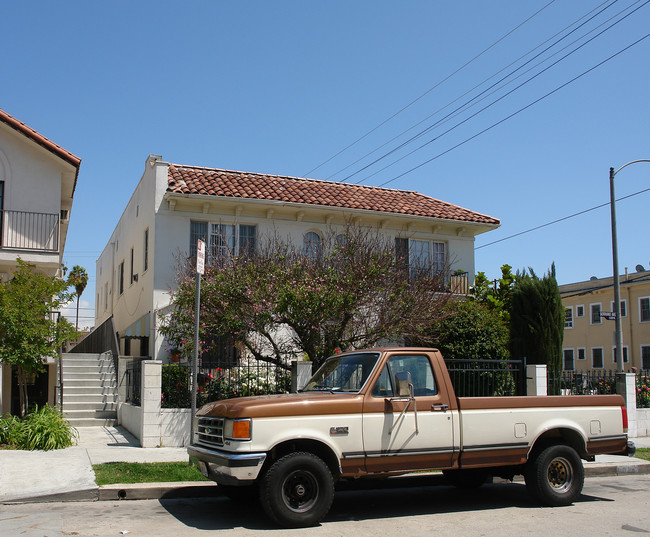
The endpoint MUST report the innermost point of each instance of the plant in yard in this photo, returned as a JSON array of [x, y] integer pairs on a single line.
[[28, 329], [42, 429], [78, 278]]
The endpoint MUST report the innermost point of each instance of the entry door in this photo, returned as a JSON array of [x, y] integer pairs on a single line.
[[407, 434]]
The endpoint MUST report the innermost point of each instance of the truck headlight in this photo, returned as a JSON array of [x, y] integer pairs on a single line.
[[239, 429]]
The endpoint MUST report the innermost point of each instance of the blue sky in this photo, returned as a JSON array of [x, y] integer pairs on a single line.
[[283, 86]]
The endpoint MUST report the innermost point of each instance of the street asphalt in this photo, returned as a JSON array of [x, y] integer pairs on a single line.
[[67, 474]]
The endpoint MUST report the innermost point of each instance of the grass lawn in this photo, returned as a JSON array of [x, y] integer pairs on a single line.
[[643, 453], [138, 472]]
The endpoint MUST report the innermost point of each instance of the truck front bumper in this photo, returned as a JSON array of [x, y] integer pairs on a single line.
[[227, 468]]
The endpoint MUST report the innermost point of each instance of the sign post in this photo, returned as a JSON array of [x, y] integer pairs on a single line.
[[200, 269]]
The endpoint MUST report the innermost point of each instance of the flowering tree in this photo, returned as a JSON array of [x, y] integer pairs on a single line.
[[280, 304], [28, 331]]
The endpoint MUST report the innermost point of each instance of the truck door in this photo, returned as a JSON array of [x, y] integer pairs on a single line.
[[407, 433]]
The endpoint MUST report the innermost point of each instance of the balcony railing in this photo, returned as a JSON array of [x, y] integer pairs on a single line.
[[25, 230]]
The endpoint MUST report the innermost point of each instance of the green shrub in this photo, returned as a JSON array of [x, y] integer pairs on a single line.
[[10, 431], [43, 429]]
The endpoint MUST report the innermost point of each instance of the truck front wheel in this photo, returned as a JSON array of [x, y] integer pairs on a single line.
[[555, 476], [297, 490]]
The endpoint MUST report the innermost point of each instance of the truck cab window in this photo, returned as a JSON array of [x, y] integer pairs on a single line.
[[424, 383]]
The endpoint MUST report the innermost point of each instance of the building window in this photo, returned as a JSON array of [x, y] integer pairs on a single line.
[[224, 240], [106, 296], [625, 360], [623, 307], [597, 358], [131, 269], [120, 278], [582, 353], [595, 314], [421, 257], [312, 245], [568, 360], [645, 357], [198, 230], [644, 309], [568, 318], [247, 240], [145, 251], [580, 311]]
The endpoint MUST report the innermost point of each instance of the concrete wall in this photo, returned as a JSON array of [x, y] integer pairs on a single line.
[[643, 422]]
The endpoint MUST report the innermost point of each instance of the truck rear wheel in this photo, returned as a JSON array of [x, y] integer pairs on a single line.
[[555, 476], [297, 490]]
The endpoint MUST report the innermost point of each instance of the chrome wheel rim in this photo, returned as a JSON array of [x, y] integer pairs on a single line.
[[560, 474]]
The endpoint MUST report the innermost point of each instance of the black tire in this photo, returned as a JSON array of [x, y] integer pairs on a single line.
[[240, 494], [555, 476], [465, 479], [297, 490]]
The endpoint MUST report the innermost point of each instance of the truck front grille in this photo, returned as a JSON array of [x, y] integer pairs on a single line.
[[210, 431]]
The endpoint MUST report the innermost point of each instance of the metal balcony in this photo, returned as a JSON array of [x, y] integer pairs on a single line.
[[23, 230]]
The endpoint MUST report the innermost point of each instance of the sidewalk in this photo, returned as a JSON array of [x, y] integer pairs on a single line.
[[67, 474]]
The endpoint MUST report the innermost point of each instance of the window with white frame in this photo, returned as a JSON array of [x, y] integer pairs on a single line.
[[580, 311], [223, 241], [645, 357], [597, 358], [568, 317], [624, 349], [312, 245], [422, 257], [623, 309], [568, 364], [644, 309], [595, 313], [582, 353]]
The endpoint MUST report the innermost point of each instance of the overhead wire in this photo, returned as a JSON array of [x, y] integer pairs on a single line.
[[585, 211], [506, 95], [466, 104], [430, 89], [510, 116]]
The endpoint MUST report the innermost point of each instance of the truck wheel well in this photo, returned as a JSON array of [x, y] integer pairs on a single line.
[[568, 437], [309, 446]]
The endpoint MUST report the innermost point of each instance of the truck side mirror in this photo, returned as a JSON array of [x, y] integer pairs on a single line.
[[404, 384]]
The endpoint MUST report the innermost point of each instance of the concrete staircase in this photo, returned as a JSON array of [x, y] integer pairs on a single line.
[[89, 389]]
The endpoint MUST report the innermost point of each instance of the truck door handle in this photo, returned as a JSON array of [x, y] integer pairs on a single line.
[[442, 407]]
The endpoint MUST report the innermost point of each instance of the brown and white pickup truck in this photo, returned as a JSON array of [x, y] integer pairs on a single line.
[[382, 412]]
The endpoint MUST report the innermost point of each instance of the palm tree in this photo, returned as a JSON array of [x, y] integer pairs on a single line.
[[79, 278]]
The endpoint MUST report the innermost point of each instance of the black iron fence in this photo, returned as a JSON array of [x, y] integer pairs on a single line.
[[597, 382], [486, 378], [216, 383], [133, 381]]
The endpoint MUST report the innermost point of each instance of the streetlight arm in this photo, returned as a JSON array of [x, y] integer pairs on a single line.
[[633, 162]]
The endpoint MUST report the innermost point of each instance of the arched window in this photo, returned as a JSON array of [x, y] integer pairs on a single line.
[[312, 245]]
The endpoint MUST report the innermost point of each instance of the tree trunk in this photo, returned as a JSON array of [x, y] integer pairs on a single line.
[[22, 391]]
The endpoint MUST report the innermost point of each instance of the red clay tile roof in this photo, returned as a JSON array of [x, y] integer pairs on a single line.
[[40, 139], [232, 184]]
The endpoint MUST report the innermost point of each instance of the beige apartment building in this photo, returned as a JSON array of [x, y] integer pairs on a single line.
[[589, 326]]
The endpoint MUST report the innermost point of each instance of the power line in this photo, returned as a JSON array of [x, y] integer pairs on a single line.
[[560, 220], [513, 114], [429, 90], [467, 104]]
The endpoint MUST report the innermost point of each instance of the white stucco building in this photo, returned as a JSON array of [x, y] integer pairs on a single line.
[[37, 184], [174, 204]]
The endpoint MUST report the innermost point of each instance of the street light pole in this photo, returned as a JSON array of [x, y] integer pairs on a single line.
[[618, 351]]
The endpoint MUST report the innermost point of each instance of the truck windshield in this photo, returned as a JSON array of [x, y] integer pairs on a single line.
[[344, 373]]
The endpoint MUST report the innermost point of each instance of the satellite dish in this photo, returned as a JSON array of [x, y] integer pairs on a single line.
[[639, 268]]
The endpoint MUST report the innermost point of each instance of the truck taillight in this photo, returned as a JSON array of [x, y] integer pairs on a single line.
[[624, 413]]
